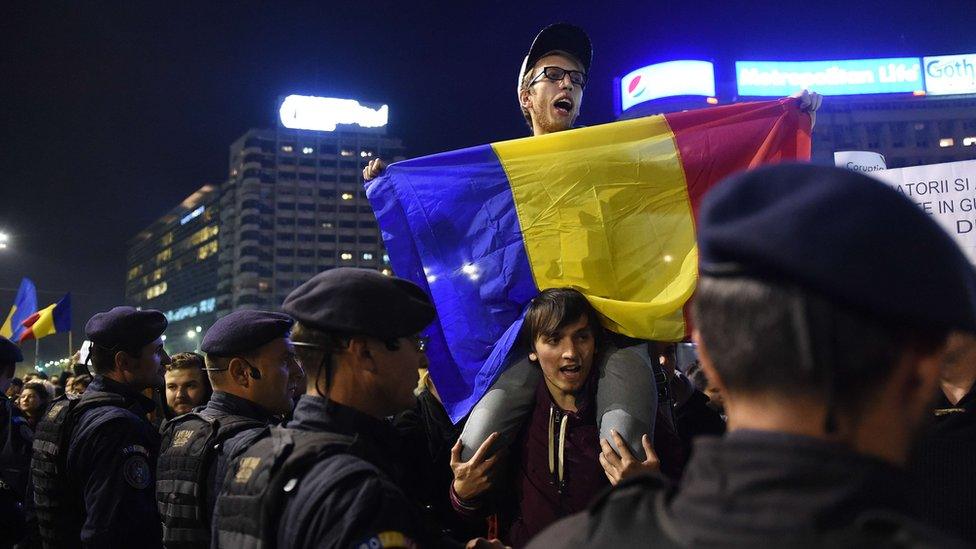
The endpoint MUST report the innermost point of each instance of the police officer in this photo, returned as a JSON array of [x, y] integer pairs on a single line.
[[15, 449], [331, 479], [252, 367], [94, 457], [822, 313]]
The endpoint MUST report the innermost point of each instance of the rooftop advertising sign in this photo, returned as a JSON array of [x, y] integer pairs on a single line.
[[949, 74], [667, 80], [851, 77], [303, 112]]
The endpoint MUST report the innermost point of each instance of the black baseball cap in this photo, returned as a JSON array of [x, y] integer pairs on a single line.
[[558, 37]]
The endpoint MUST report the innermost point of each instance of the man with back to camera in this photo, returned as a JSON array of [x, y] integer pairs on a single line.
[[332, 478], [94, 458], [252, 366], [826, 369]]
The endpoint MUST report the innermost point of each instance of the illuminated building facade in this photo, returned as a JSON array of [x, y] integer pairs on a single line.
[[172, 266], [294, 204]]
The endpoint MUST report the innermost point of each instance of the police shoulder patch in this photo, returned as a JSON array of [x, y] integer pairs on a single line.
[[136, 471], [385, 540]]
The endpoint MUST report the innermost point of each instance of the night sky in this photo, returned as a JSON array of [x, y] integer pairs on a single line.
[[113, 113]]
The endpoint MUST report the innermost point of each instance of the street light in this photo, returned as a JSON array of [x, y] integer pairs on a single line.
[[191, 334], [4, 240]]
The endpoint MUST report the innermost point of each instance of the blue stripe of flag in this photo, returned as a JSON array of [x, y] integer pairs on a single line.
[[449, 225]]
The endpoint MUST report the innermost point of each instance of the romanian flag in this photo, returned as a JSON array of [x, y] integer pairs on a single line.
[[24, 305], [53, 319], [609, 210]]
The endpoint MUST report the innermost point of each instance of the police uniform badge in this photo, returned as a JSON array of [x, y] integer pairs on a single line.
[[246, 469], [136, 471], [181, 438]]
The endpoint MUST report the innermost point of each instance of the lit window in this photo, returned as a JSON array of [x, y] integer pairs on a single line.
[[135, 272], [346, 152], [156, 291], [327, 225], [347, 196], [164, 255], [346, 256], [263, 286], [968, 141], [207, 250], [307, 150], [167, 239], [287, 148], [365, 154], [946, 142], [158, 274], [387, 272], [386, 258], [367, 256], [919, 126]]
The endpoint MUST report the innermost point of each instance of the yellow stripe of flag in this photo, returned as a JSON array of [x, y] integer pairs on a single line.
[[609, 215]]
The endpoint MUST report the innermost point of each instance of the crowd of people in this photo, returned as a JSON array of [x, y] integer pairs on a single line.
[[830, 403]]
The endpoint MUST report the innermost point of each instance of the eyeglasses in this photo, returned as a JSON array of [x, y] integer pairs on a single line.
[[556, 74]]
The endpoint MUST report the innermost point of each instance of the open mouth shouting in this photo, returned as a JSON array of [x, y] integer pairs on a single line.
[[571, 372], [563, 105]]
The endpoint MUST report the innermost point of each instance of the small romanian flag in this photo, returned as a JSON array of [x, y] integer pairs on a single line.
[[609, 210], [53, 319]]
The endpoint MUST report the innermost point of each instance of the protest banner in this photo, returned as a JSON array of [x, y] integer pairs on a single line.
[[947, 192]]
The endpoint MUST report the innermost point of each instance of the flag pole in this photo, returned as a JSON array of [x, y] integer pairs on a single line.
[[70, 351], [37, 353]]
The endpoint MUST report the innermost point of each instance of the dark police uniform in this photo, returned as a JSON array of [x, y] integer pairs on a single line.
[[94, 457], [349, 495], [330, 479], [832, 232], [195, 447], [15, 451], [943, 462]]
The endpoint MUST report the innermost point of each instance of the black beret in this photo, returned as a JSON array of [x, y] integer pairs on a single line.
[[848, 237], [125, 328], [9, 352], [360, 301], [243, 331]]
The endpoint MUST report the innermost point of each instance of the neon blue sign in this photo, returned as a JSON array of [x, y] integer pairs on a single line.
[[851, 77], [669, 79]]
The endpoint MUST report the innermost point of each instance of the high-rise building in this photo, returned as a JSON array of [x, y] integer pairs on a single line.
[[293, 205], [908, 131], [172, 266]]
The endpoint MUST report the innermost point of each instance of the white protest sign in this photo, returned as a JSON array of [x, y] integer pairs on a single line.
[[860, 161], [947, 192]]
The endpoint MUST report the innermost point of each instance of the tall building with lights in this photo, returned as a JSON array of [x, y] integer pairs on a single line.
[[172, 266], [293, 205]]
